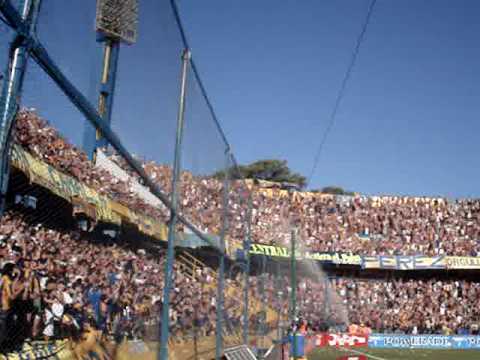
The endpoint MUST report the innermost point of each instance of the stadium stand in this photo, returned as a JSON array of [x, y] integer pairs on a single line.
[[377, 225], [50, 289], [412, 306]]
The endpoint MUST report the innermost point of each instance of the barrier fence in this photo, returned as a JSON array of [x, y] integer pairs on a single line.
[[146, 207], [127, 226]]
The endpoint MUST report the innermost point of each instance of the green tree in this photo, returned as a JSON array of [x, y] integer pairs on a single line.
[[334, 190], [270, 170]]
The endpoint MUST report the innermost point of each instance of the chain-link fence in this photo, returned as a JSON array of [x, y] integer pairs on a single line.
[[131, 228], [118, 237]]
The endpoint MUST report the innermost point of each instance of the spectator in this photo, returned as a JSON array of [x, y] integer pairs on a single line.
[[51, 287]]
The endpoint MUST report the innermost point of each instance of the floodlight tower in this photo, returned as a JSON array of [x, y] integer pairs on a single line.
[[116, 23]]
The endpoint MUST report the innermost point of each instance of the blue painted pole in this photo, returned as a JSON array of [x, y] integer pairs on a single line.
[[327, 296], [43, 59], [12, 90], [168, 273], [107, 90], [293, 274], [263, 325], [221, 262], [279, 289], [246, 248]]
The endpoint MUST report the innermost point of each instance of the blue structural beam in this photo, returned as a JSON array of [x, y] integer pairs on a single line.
[[12, 89], [93, 137], [107, 85], [41, 56]]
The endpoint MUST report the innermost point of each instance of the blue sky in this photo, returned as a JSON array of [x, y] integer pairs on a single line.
[[408, 123]]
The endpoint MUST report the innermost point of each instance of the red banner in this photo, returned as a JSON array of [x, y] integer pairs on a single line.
[[341, 340]]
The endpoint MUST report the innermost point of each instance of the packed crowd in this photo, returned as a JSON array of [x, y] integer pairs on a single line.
[[430, 306], [390, 225], [387, 225], [44, 142], [50, 287], [413, 306], [56, 284], [369, 225], [357, 224], [353, 224]]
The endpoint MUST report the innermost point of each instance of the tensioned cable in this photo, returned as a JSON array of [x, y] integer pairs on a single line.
[[178, 19], [198, 78], [342, 89], [196, 73]]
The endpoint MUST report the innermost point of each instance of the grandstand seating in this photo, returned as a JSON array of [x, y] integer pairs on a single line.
[[234, 292], [41, 236], [231, 338]]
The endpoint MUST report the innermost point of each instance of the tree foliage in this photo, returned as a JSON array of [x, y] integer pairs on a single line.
[[334, 190], [269, 170]]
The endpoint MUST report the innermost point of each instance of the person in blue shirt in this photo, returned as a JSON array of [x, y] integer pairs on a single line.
[[297, 333], [94, 295]]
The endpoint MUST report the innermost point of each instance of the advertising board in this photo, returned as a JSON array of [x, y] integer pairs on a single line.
[[389, 341], [341, 340]]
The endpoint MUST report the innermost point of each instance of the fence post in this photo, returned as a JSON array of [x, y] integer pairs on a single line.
[[263, 310], [221, 260], [246, 249], [12, 91], [327, 298], [293, 281], [278, 286], [168, 273]]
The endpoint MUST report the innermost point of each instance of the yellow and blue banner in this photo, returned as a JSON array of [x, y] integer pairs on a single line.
[[284, 252]]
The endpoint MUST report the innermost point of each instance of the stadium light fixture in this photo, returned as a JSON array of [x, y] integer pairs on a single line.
[[116, 22], [118, 19]]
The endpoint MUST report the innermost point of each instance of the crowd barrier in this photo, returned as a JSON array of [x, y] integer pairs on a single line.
[[340, 340], [90, 349], [396, 341], [280, 251], [424, 342], [421, 262], [385, 262]]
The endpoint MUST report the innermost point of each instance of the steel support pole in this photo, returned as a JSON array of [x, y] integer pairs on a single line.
[[43, 59], [279, 299], [264, 305], [246, 249], [12, 91], [168, 273], [221, 261], [107, 89], [293, 281]]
